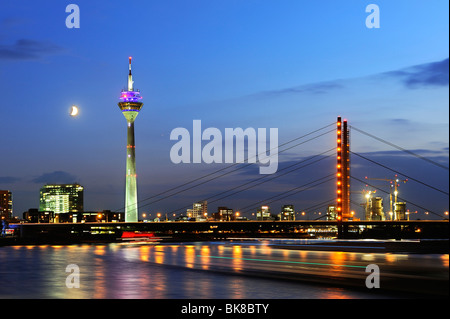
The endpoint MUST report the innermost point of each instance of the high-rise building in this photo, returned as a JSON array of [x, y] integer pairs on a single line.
[[61, 198], [6, 204], [130, 104], [331, 212], [287, 212], [263, 213], [200, 210]]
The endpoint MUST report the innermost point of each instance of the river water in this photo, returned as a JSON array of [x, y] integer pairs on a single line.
[[211, 270]]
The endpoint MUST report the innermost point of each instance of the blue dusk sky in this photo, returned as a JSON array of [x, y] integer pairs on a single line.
[[287, 64]]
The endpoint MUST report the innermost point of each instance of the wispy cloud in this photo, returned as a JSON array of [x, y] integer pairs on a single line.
[[27, 49], [400, 122], [55, 177], [315, 88], [423, 75]]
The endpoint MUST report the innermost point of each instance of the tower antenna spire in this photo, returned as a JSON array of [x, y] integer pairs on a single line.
[[130, 77]]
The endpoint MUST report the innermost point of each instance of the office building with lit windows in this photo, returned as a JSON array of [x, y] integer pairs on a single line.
[[263, 213], [61, 198], [200, 209], [287, 212], [6, 206]]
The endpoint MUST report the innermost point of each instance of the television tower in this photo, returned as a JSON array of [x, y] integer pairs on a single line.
[[130, 104]]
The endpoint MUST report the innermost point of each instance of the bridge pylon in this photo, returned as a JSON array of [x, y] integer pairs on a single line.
[[343, 173]]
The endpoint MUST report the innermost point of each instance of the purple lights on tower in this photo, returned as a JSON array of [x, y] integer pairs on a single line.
[[130, 96]]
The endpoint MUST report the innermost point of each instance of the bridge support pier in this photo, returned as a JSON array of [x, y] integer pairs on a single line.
[[342, 230]]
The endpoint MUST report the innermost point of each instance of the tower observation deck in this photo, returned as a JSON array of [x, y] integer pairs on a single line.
[[130, 104]]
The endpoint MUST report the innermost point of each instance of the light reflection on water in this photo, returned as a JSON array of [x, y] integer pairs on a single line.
[[166, 271]]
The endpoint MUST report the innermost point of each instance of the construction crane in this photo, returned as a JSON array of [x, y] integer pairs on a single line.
[[394, 184]]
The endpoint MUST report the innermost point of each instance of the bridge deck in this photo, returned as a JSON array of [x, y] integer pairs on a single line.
[[209, 230]]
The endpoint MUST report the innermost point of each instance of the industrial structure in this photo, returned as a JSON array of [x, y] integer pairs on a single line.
[[130, 104], [397, 210], [373, 207]]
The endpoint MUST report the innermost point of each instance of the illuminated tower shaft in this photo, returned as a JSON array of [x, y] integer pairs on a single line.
[[131, 209], [130, 104]]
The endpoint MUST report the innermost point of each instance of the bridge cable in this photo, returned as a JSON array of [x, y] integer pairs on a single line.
[[400, 148], [393, 170], [229, 172], [260, 178], [230, 166]]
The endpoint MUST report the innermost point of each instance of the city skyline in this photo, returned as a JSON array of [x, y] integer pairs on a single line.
[[292, 65]]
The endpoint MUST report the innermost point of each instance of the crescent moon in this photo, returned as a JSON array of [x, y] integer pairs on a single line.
[[74, 111]]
